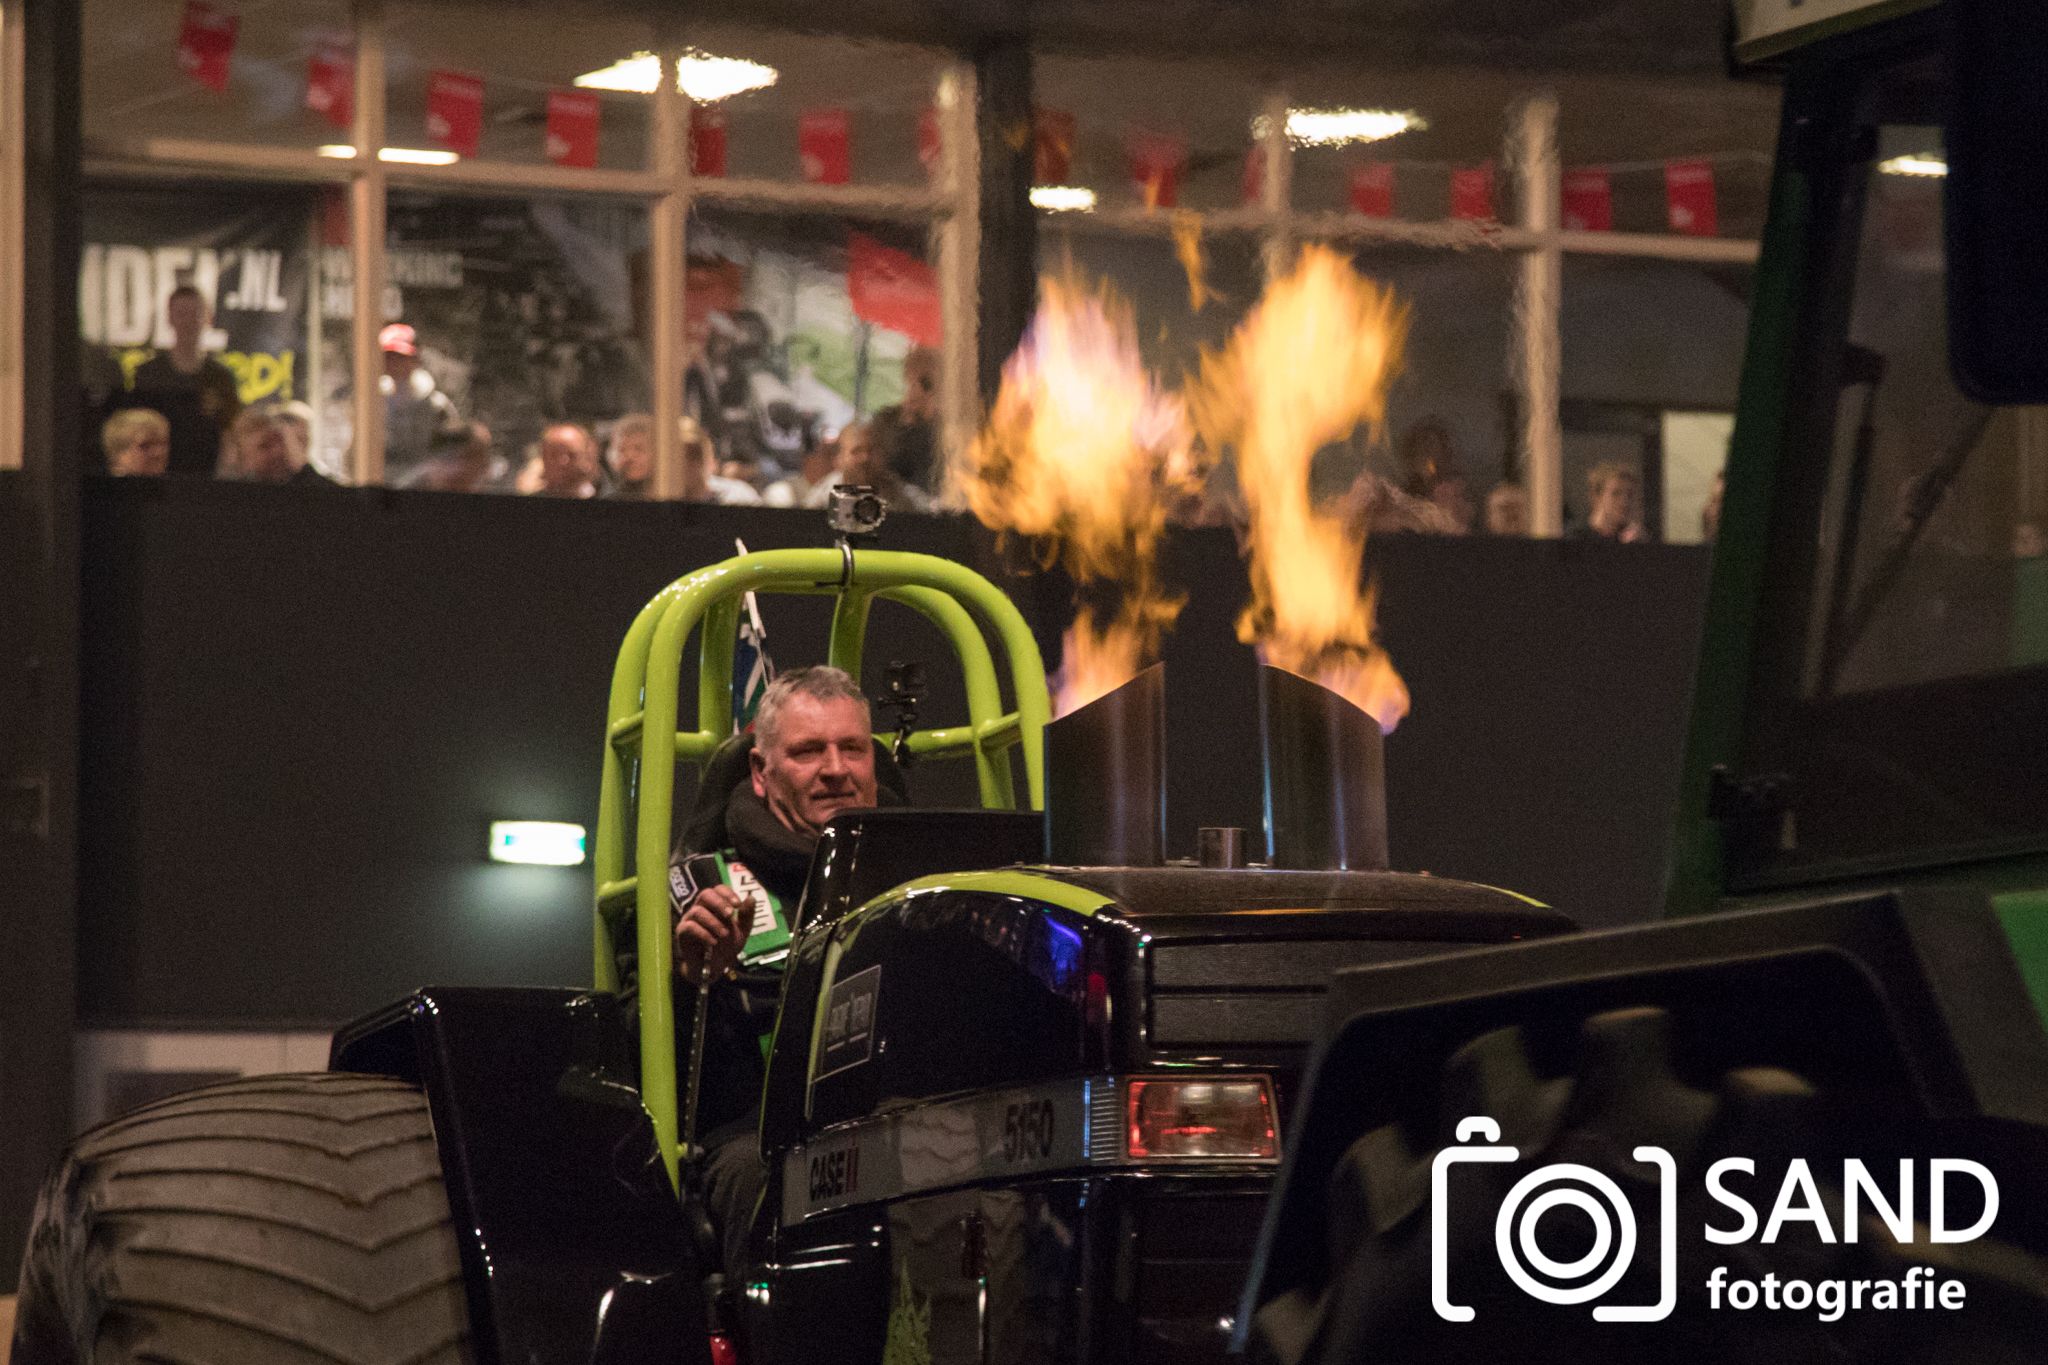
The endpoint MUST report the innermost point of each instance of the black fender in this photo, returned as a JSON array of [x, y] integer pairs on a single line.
[[1913, 995], [574, 1246]]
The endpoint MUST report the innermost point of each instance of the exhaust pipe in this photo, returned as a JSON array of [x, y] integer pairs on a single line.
[[1105, 778], [1326, 786]]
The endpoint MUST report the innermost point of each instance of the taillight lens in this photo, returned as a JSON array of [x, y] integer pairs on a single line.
[[1172, 1117]]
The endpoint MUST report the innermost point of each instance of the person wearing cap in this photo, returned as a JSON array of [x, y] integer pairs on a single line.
[[418, 418]]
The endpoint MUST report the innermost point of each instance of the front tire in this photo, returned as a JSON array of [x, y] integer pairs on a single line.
[[286, 1220]]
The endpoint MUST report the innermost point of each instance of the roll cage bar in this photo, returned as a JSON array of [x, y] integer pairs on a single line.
[[644, 744]]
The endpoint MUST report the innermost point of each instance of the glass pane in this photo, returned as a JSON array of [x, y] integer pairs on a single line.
[[197, 306], [1460, 122], [220, 72], [1652, 356], [1121, 124], [854, 107], [1936, 503], [1451, 439], [801, 326], [500, 83], [1643, 155], [516, 314]]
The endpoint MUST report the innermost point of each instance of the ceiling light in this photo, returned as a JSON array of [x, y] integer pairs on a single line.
[[1923, 165], [546, 842], [1335, 127], [409, 156], [702, 76], [1062, 198]]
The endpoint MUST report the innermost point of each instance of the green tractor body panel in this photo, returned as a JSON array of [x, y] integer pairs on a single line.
[[1862, 712]]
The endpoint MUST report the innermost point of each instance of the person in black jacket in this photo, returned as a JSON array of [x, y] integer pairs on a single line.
[[813, 757]]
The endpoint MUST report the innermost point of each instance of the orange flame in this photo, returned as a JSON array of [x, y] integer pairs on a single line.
[[1307, 367], [1084, 451]]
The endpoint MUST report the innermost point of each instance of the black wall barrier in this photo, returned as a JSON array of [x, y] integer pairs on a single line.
[[302, 708]]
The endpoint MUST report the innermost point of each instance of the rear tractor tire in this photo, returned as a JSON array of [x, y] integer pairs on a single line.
[[287, 1220]]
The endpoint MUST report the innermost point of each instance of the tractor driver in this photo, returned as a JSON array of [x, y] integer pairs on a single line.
[[813, 757]]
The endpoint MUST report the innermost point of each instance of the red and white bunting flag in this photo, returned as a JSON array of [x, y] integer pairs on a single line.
[[1156, 162], [572, 127], [1588, 200], [1372, 189], [707, 141], [1689, 198], [1254, 188], [824, 146], [455, 111], [930, 146], [331, 84], [1472, 192], [1052, 146], [206, 44]]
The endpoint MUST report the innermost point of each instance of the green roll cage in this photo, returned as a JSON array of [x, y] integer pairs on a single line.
[[643, 741]]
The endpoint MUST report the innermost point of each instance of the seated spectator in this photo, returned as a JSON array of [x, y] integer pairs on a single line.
[[701, 480], [260, 449], [298, 425], [860, 461], [1372, 505], [137, 442], [194, 391], [1507, 510], [1612, 491], [1453, 497], [819, 458], [471, 465], [564, 464], [630, 457], [418, 416], [1426, 455], [906, 434]]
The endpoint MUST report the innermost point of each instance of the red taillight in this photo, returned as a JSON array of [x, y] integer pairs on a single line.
[[1217, 1118], [723, 1352]]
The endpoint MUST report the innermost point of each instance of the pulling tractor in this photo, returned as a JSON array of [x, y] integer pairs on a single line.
[[1034, 1094]]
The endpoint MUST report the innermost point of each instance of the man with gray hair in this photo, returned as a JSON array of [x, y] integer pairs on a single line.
[[813, 757]]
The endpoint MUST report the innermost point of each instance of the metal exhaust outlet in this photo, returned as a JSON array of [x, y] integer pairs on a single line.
[[1105, 778], [1326, 786]]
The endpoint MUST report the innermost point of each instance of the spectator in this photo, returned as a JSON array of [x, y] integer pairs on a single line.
[[2028, 542], [418, 417], [195, 393], [470, 466], [1612, 491], [701, 480], [1453, 497], [564, 465], [1507, 510], [1372, 505], [819, 458], [860, 461], [905, 434], [630, 457], [137, 442], [260, 449], [298, 424], [1426, 456], [1710, 511]]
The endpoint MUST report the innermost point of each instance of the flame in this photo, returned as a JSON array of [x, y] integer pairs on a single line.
[[1307, 367], [1084, 451]]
